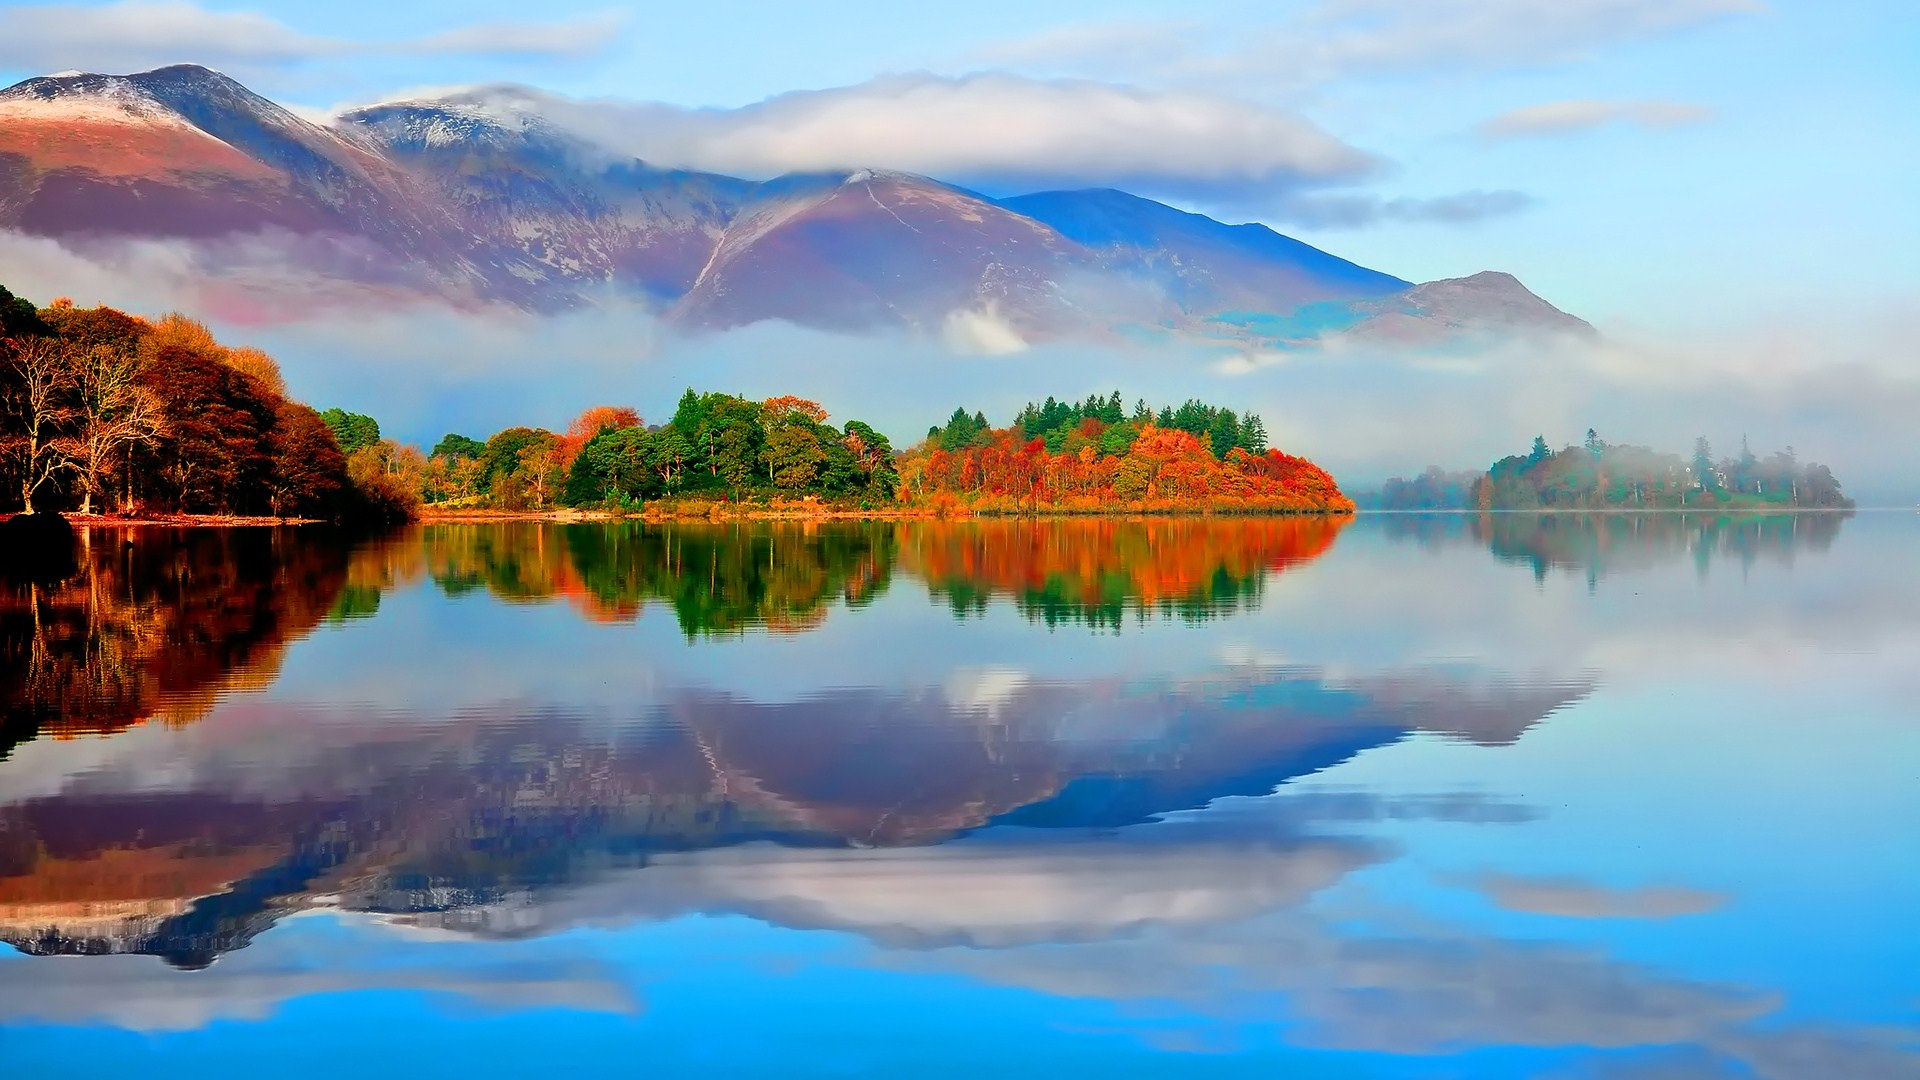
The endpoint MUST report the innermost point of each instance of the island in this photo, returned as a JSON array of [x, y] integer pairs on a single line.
[[1598, 475]]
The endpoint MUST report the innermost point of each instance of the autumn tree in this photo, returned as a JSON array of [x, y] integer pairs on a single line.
[[257, 365], [116, 415], [213, 458], [590, 423], [309, 472], [385, 479], [787, 406], [42, 387], [161, 413]]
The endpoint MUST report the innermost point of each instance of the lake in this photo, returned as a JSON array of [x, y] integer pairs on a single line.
[[1402, 796]]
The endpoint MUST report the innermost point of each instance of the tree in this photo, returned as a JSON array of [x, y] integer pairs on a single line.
[[668, 455], [1744, 468], [734, 438], [590, 423], [309, 473], [1540, 451], [1703, 477], [353, 431], [116, 414], [1593, 444], [18, 318], [500, 458], [212, 458], [458, 446], [1223, 432], [793, 455], [778, 408], [873, 455], [385, 479], [42, 385], [1253, 434], [257, 365], [541, 470]]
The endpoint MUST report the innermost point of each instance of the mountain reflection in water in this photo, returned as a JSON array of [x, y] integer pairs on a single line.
[[1103, 758]]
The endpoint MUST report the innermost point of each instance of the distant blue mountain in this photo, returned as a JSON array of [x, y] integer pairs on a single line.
[[1217, 267]]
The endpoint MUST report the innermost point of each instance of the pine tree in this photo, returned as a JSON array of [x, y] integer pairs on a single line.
[[1253, 434]]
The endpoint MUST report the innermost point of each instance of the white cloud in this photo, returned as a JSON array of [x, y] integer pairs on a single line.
[[1564, 117], [137, 34], [994, 130], [981, 331], [1347, 38], [989, 894]]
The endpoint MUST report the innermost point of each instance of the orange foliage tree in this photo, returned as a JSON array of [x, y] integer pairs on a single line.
[[1152, 468]]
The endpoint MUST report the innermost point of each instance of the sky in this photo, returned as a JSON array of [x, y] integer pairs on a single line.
[[1725, 180]]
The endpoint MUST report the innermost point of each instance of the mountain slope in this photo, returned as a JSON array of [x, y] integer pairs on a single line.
[[548, 206], [469, 199], [1488, 301], [872, 248], [187, 152], [1205, 266]]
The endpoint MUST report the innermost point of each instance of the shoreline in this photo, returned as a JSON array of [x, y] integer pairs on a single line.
[[182, 521], [1568, 510], [575, 516]]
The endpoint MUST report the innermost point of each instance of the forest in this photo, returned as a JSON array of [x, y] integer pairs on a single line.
[[1095, 457], [715, 445], [106, 412], [1597, 474], [725, 447]]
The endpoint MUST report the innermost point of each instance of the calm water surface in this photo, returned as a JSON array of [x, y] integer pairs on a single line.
[[1610, 797]]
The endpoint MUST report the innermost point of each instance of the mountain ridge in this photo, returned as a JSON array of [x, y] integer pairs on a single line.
[[452, 197]]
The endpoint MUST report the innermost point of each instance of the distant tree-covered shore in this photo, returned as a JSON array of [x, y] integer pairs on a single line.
[[1596, 475]]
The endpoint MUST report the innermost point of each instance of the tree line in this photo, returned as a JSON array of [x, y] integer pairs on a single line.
[[106, 411], [1597, 474], [715, 445], [1094, 457], [1056, 423], [102, 411]]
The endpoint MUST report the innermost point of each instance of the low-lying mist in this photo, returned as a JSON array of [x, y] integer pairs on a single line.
[[1846, 397]]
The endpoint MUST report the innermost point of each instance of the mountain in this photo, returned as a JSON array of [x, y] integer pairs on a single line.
[[1204, 265], [462, 198], [1489, 300]]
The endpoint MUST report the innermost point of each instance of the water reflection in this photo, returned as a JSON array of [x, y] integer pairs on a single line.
[[1598, 545], [436, 814], [160, 626], [720, 580], [1329, 802], [1097, 572]]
